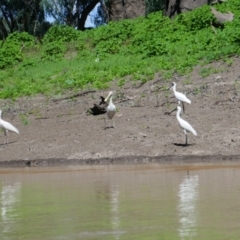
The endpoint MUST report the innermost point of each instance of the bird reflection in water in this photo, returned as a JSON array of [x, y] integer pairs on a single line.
[[187, 207], [114, 202], [9, 198]]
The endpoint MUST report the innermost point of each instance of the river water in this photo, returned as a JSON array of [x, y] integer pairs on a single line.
[[155, 201]]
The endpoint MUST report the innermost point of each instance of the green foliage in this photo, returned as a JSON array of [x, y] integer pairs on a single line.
[[10, 53], [109, 39], [121, 82], [18, 38], [230, 5], [62, 33], [135, 48], [196, 20], [53, 50], [56, 39]]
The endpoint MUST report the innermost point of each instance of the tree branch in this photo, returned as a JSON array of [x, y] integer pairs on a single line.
[[5, 17], [82, 19]]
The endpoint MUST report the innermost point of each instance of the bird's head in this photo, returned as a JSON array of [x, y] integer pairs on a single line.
[[102, 100], [172, 84]]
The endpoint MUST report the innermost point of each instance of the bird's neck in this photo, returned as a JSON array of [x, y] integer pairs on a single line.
[[178, 113], [110, 100], [174, 88]]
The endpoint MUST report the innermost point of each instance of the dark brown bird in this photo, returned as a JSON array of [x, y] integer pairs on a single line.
[[100, 108], [103, 101]]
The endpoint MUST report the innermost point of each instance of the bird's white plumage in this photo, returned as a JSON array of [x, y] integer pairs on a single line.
[[180, 96], [111, 108], [184, 124], [7, 127]]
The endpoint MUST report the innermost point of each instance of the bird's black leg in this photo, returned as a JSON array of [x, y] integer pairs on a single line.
[[186, 141], [5, 137], [105, 123], [183, 107]]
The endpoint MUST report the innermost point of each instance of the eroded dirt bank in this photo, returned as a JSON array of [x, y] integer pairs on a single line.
[[171, 159], [58, 131]]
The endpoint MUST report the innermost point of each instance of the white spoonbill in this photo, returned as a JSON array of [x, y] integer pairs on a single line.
[[111, 108], [7, 127], [185, 125], [179, 96]]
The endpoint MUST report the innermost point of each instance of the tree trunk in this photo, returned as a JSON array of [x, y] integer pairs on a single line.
[[126, 9], [3, 31], [84, 14], [174, 7], [222, 17]]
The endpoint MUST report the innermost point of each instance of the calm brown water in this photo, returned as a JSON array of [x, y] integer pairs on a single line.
[[121, 202]]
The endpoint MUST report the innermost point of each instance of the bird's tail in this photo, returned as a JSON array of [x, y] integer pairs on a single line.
[[10, 127], [16, 130], [194, 132]]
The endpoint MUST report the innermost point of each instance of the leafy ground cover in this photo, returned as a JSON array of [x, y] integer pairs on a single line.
[[139, 48]]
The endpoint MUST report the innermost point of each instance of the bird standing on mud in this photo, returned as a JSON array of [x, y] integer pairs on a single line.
[[111, 108], [100, 108], [185, 125], [7, 127], [179, 96]]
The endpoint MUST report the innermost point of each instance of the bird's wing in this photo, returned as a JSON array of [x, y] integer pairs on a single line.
[[182, 97], [9, 126], [111, 107], [184, 124]]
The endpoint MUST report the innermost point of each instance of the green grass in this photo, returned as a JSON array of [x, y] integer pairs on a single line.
[[137, 48]]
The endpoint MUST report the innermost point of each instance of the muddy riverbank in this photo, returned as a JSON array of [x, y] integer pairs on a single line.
[[60, 131]]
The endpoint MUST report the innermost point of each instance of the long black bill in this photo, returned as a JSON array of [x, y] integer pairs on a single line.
[[168, 113], [183, 107]]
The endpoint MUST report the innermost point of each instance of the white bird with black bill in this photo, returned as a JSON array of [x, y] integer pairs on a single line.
[[6, 126], [179, 96], [111, 108], [185, 125]]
